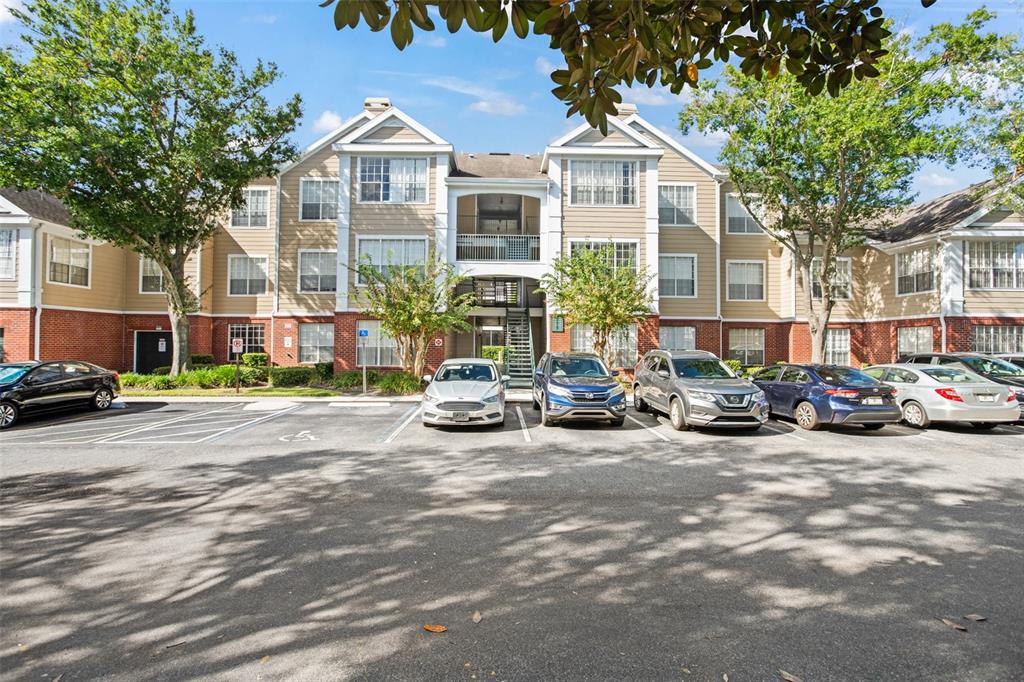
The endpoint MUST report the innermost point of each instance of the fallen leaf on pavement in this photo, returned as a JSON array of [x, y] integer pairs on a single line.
[[265, 659], [429, 627], [955, 626], [789, 677], [975, 617], [477, 617]]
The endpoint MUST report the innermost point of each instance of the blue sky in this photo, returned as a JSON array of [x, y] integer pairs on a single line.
[[478, 95]]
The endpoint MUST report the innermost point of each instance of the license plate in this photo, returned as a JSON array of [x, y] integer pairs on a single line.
[[872, 401], [986, 398], [460, 416]]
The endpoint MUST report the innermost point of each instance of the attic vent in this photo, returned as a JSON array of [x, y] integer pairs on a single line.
[[498, 154]]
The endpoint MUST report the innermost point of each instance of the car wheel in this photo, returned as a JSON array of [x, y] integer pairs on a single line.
[[984, 426], [8, 414], [638, 402], [544, 418], [914, 415], [873, 427], [618, 422], [676, 416], [102, 398], [806, 416]]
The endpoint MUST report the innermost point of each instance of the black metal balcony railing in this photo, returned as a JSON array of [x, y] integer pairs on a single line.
[[497, 247]]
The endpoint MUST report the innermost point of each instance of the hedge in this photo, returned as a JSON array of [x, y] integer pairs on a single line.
[[290, 376], [202, 359], [496, 353], [354, 378], [255, 359], [735, 365], [400, 383], [323, 372]]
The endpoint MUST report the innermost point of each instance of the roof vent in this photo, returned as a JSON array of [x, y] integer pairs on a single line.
[[498, 154], [626, 109], [376, 105]]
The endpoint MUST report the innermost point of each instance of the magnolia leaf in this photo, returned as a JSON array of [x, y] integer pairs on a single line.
[[952, 624], [430, 627], [975, 617], [788, 677], [476, 617]]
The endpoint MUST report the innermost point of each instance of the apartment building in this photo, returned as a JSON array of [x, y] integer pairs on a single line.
[[279, 272]]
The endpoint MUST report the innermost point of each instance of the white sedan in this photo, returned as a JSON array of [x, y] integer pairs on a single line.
[[465, 392]]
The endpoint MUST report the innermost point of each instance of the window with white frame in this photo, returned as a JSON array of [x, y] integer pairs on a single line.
[[747, 346], [8, 253], [677, 205], [621, 343], [318, 271], [393, 181], [1003, 338], [390, 252], [69, 262], [744, 280], [602, 183], [737, 218], [254, 212], [996, 264], [377, 349], [915, 271], [316, 342], [151, 277], [624, 254], [247, 275], [837, 347], [914, 340], [842, 279], [677, 275], [318, 198], [251, 335], [677, 338]]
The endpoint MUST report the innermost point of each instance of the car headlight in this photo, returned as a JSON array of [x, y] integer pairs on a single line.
[[491, 399], [430, 398], [617, 390], [554, 389], [701, 395], [759, 396]]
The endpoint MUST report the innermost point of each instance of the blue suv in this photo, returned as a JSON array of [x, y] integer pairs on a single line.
[[577, 386]]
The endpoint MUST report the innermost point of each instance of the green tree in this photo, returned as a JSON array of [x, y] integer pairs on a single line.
[[608, 43], [820, 173], [145, 133], [415, 303], [587, 287]]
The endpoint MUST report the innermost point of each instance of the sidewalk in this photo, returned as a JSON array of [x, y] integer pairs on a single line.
[[518, 395]]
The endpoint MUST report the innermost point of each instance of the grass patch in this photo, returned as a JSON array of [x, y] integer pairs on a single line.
[[293, 391]]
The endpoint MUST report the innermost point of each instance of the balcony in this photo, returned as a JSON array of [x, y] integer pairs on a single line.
[[497, 247]]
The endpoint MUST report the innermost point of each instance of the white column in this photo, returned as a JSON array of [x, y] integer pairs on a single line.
[[441, 237], [951, 279], [551, 220], [651, 246], [25, 265], [343, 228]]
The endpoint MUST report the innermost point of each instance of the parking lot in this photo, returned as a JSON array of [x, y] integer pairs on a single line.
[[313, 540]]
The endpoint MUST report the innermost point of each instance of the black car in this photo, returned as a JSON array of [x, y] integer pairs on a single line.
[[35, 387], [992, 368]]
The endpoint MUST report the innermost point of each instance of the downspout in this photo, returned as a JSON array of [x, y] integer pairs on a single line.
[[277, 266], [718, 267], [942, 294], [37, 286]]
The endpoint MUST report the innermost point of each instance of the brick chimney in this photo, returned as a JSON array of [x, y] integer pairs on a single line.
[[626, 109], [376, 105]]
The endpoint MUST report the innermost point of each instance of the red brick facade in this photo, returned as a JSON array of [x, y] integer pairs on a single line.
[[17, 324], [95, 337], [346, 339]]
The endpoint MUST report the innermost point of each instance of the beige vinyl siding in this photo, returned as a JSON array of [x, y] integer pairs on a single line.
[[466, 217], [106, 279], [1002, 218], [759, 247], [394, 134], [206, 278], [601, 223], [136, 301], [615, 138], [699, 240], [248, 241]]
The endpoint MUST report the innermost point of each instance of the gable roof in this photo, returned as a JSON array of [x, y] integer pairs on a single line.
[[390, 114], [38, 205], [613, 122], [325, 140], [709, 168], [959, 208], [497, 165]]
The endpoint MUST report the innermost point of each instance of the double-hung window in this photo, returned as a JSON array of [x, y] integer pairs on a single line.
[[915, 271], [247, 275], [677, 205], [677, 275], [251, 335], [602, 183], [8, 253], [151, 277], [842, 279], [744, 280], [737, 218], [377, 349], [623, 254], [677, 338], [621, 343], [254, 212], [914, 340], [1003, 338], [996, 264], [318, 198], [392, 180], [316, 342], [318, 272], [69, 262], [837, 347], [383, 253], [747, 346]]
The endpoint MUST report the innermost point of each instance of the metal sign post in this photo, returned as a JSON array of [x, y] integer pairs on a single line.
[[364, 336], [237, 346]]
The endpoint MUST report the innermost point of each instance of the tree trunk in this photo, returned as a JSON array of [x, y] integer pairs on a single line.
[[180, 302], [600, 342], [420, 358], [817, 316]]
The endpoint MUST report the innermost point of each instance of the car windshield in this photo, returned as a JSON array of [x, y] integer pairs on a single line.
[[702, 369], [578, 367], [465, 372], [845, 376], [993, 366], [952, 375], [12, 373]]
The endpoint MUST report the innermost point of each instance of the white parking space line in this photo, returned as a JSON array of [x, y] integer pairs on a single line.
[[408, 417], [56, 428], [360, 404], [266, 417], [783, 433], [653, 430], [522, 425], [180, 418]]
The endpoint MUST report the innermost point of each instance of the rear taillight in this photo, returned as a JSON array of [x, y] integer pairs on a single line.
[[1012, 397], [949, 394], [848, 393]]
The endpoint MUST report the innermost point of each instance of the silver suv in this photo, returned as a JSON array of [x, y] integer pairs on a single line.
[[695, 388]]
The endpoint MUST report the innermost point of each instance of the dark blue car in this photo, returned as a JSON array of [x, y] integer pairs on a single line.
[[814, 395], [577, 386]]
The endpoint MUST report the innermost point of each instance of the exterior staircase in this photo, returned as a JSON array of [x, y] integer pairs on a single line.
[[519, 338]]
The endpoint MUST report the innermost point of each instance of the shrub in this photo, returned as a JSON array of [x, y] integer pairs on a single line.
[[200, 359], [198, 378], [323, 372], [496, 353], [255, 359], [751, 371], [162, 370], [157, 382], [290, 376], [354, 378], [400, 383], [131, 379], [735, 365]]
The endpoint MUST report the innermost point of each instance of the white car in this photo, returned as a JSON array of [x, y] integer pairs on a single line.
[[465, 392]]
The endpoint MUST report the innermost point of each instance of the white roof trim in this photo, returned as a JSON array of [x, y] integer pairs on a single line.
[[323, 141], [416, 148], [614, 122], [9, 209], [676, 146], [380, 119]]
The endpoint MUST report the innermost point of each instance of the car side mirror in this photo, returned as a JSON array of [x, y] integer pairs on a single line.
[[615, 372], [663, 373], [427, 378], [505, 380]]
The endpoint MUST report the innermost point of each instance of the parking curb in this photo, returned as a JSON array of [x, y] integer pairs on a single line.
[[354, 400]]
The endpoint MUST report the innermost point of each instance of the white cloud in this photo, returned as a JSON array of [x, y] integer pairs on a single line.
[[5, 15], [265, 19], [936, 180], [695, 138], [544, 66], [656, 96], [424, 40], [488, 101], [326, 122]]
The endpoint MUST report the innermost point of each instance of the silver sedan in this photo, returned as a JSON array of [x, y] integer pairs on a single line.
[[465, 392], [930, 393]]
